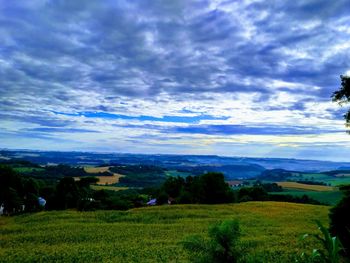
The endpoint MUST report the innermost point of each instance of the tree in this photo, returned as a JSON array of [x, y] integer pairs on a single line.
[[67, 193], [342, 95], [173, 186], [339, 216], [31, 194], [11, 189], [340, 220], [216, 190]]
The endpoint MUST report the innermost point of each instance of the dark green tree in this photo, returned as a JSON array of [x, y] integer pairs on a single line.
[[342, 96], [340, 220], [216, 190], [11, 190], [340, 214], [31, 194], [173, 186], [67, 193]]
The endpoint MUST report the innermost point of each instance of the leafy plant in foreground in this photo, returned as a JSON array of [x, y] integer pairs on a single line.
[[222, 245], [330, 253]]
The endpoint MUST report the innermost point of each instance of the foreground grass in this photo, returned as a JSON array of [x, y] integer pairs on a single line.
[[271, 232]]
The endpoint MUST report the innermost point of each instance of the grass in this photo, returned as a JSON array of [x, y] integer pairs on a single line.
[[270, 231], [338, 181], [107, 187], [309, 187]]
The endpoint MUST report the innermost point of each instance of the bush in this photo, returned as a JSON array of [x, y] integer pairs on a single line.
[[222, 245]]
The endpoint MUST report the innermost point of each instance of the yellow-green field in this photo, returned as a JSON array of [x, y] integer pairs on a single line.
[[113, 179], [309, 187], [271, 231], [107, 187], [103, 180]]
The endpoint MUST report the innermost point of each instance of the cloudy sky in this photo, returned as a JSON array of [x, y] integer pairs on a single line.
[[235, 78]]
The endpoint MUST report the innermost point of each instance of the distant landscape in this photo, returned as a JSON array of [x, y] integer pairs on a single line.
[[143, 208], [319, 180], [202, 131]]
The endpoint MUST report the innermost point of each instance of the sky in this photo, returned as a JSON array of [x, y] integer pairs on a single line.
[[232, 78]]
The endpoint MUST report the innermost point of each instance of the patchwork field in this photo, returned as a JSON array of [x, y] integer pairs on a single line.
[[103, 180], [309, 187], [271, 231]]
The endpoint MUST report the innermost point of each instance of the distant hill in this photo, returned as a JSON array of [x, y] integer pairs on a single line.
[[275, 175], [232, 167], [235, 171]]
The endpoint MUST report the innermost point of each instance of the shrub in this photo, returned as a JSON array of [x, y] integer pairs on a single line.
[[222, 245]]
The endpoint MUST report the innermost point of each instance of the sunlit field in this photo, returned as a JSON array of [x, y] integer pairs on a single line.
[[309, 187], [271, 231]]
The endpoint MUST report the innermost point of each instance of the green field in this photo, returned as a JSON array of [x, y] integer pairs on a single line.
[[271, 232], [320, 177], [338, 181], [326, 197]]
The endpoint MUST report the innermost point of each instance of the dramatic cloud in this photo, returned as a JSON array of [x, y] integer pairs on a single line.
[[174, 76]]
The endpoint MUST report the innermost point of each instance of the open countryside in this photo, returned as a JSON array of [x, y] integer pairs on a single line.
[[180, 131], [271, 231]]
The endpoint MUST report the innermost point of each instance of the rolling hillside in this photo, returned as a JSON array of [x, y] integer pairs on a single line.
[[270, 231]]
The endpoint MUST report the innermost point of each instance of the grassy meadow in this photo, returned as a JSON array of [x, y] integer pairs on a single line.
[[271, 232]]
